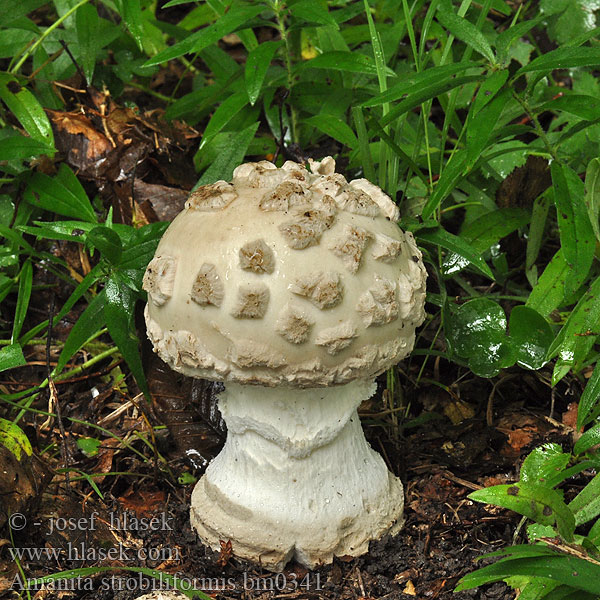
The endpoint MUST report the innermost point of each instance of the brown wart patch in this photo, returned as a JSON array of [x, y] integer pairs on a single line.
[[350, 246], [324, 290], [336, 339], [329, 185], [212, 197], [286, 195], [386, 248], [257, 257], [208, 287], [250, 353], [306, 228], [159, 279], [252, 301], [378, 305], [360, 203], [293, 325]]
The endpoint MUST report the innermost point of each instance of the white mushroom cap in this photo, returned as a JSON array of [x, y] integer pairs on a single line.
[[285, 277]]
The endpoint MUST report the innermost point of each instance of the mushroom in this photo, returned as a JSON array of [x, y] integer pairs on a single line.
[[296, 289]]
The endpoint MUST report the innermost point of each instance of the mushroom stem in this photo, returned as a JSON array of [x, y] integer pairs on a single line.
[[296, 477]]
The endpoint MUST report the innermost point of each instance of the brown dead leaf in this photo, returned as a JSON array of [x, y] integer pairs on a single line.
[[569, 418], [525, 183], [106, 452], [409, 588], [167, 202], [517, 440], [410, 573], [142, 502], [458, 411]]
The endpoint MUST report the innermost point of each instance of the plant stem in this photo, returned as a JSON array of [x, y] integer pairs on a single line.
[[44, 35], [538, 128]]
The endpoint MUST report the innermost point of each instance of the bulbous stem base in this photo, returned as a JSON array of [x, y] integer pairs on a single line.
[[296, 478]]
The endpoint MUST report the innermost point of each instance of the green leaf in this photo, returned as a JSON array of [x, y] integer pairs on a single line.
[[223, 167], [88, 324], [586, 505], [573, 572], [87, 23], [131, 13], [224, 113], [236, 17], [415, 97], [592, 194], [488, 90], [89, 446], [576, 234], [589, 398], [464, 30], [575, 340], [10, 10], [62, 194], [17, 147], [453, 243], [25, 285], [416, 82], [107, 242], [257, 64], [480, 129], [477, 331], [339, 60], [118, 314], [334, 127], [544, 465], [563, 58], [312, 12], [505, 40], [549, 291], [588, 440], [26, 108], [580, 105], [13, 438], [11, 356], [531, 336], [536, 502], [484, 232]]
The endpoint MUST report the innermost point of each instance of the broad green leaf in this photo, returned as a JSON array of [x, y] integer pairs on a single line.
[[590, 397], [89, 446], [62, 194], [11, 356], [580, 105], [257, 64], [107, 242], [224, 113], [343, 61], [482, 233], [58, 230], [87, 22], [531, 336], [588, 440], [488, 90], [536, 502], [544, 465], [575, 340], [592, 194], [14, 41], [563, 58], [312, 12], [414, 82], [235, 18], [131, 13], [17, 147], [586, 505], [480, 129], [573, 572], [118, 314], [576, 234], [464, 30], [25, 285], [13, 438], [455, 244], [334, 127], [223, 167], [89, 323], [26, 108], [549, 291], [539, 215], [569, 19], [505, 40], [10, 10], [476, 331]]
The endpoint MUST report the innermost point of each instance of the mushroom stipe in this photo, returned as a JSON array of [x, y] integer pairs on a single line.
[[296, 289]]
